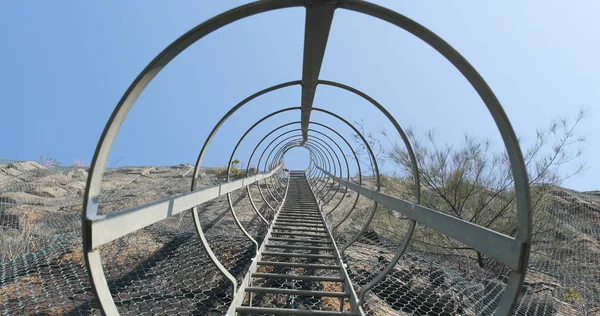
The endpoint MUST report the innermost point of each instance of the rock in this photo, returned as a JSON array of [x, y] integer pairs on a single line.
[[11, 173], [79, 174], [76, 185], [22, 217], [20, 167], [52, 191], [26, 198], [146, 172], [189, 170]]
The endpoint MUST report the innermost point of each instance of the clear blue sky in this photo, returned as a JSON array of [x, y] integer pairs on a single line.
[[64, 66]]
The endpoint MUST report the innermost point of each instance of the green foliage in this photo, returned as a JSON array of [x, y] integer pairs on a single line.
[[470, 181], [571, 295], [234, 172]]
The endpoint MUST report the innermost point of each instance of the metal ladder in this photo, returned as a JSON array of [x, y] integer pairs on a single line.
[[298, 269]]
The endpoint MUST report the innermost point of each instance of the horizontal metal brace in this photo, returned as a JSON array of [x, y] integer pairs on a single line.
[[288, 217], [298, 221], [288, 311], [297, 255], [120, 223], [296, 216], [296, 277], [307, 208], [288, 224], [303, 213], [299, 234], [503, 248], [303, 217], [300, 247], [298, 265], [311, 214], [296, 292], [293, 229], [307, 217], [300, 240]]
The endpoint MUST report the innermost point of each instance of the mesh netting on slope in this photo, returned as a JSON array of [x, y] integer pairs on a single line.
[[159, 269], [164, 269], [434, 279]]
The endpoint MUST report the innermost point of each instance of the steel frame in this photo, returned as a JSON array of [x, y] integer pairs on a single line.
[[97, 231]]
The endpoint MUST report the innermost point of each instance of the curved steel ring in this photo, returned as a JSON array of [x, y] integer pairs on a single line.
[[375, 165], [335, 84], [332, 160], [519, 171], [339, 148], [338, 164], [318, 124], [264, 151], [320, 153], [308, 141], [92, 192], [97, 167]]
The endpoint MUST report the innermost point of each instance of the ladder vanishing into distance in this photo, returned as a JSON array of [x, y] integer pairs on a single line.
[[297, 268], [299, 239]]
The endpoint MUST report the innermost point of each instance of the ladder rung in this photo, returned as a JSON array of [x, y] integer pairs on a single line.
[[301, 200], [299, 226], [299, 247], [297, 255], [303, 220], [300, 223], [313, 213], [296, 292], [286, 311], [300, 240], [299, 234], [299, 229], [304, 217], [300, 208], [298, 220], [310, 218], [296, 277], [307, 208], [298, 265], [279, 223]]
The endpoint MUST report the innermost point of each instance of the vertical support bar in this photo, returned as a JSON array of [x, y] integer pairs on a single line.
[[316, 32]]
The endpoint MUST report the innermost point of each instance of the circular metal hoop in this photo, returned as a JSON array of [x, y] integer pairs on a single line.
[[98, 165]]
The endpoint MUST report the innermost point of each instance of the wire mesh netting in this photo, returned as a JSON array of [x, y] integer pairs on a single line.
[[163, 268], [440, 276], [160, 269]]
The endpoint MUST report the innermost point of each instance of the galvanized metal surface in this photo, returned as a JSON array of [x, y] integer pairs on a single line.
[[99, 230]]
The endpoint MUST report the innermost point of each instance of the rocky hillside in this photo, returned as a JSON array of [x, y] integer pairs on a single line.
[[40, 216]]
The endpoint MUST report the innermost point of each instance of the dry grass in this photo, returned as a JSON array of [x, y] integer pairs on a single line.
[[265, 269], [333, 303], [23, 231]]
